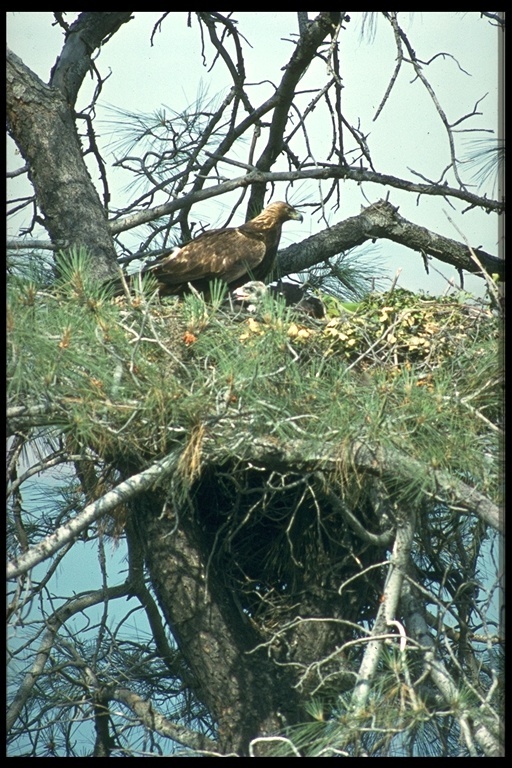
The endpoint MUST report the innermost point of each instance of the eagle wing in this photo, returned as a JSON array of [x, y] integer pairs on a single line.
[[225, 254]]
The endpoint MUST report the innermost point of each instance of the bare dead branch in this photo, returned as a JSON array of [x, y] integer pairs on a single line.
[[398, 65], [83, 37], [154, 721], [324, 24], [419, 72], [69, 609], [323, 172], [119, 495], [381, 220]]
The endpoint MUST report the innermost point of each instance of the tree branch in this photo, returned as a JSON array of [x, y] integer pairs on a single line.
[[310, 40], [83, 37], [69, 609], [381, 220], [119, 495], [387, 610], [323, 172], [154, 721], [417, 628], [299, 455]]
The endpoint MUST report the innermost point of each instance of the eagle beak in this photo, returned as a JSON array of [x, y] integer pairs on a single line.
[[249, 291]]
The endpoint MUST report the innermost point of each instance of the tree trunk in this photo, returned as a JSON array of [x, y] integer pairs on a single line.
[[254, 612], [246, 693], [42, 124]]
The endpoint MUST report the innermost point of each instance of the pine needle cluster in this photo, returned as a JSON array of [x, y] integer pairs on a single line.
[[135, 377]]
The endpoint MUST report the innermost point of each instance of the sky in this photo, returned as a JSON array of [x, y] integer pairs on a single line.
[[407, 137]]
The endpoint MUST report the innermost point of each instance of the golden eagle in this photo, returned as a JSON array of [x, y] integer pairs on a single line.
[[249, 296], [234, 254]]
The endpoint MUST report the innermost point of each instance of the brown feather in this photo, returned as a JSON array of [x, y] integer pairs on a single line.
[[234, 254]]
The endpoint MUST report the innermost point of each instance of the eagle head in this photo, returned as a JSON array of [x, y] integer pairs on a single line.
[[281, 212]]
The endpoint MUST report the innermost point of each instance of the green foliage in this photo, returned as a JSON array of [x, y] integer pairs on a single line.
[[486, 159], [130, 379], [400, 718], [135, 377], [349, 276]]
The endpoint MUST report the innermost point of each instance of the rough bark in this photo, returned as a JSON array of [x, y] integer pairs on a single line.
[[246, 694], [255, 652], [41, 121], [83, 37], [381, 220]]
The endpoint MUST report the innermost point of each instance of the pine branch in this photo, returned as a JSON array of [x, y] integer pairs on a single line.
[[299, 455], [122, 493], [149, 716]]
